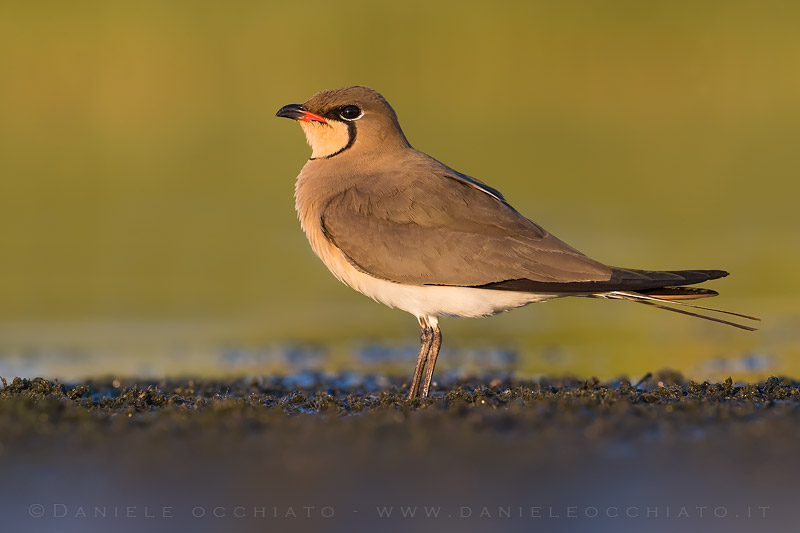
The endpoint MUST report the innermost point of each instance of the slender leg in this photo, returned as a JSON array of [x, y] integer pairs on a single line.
[[433, 353], [426, 338]]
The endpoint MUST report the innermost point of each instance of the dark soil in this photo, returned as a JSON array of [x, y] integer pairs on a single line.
[[312, 452]]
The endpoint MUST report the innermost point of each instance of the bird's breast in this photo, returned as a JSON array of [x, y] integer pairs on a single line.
[[309, 202]]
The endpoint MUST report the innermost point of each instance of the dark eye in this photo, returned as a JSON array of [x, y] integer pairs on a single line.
[[350, 112]]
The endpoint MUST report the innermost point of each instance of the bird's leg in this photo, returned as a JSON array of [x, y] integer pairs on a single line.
[[425, 338], [433, 353]]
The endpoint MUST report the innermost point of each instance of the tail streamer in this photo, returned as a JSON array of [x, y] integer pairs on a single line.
[[661, 303]]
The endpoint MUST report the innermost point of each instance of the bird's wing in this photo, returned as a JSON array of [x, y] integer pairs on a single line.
[[444, 228]]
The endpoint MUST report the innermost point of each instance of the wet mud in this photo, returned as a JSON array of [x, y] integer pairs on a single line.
[[341, 452]]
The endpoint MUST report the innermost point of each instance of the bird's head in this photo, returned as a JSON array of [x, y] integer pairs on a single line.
[[349, 120]]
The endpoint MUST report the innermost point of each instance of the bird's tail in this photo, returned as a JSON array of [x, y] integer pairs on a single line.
[[663, 298]]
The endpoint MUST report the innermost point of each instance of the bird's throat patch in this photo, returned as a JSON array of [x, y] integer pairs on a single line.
[[329, 138]]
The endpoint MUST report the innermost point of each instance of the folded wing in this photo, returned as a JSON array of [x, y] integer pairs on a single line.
[[448, 229]]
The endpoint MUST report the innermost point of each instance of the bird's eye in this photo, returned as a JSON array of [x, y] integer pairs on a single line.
[[350, 112]]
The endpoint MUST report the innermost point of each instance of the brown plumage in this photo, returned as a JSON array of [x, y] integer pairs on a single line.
[[410, 232]]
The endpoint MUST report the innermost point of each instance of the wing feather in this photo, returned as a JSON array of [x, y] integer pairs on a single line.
[[446, 228]]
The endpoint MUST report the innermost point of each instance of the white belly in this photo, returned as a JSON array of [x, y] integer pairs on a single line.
[[432, 300], [419, 300]]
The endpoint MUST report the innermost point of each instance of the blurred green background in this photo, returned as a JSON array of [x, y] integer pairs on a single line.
[[146, 213]]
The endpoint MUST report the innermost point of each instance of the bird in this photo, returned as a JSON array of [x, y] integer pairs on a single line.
[[412, 233]]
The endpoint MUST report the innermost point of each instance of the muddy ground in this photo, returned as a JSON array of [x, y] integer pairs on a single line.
[[310, 452]]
